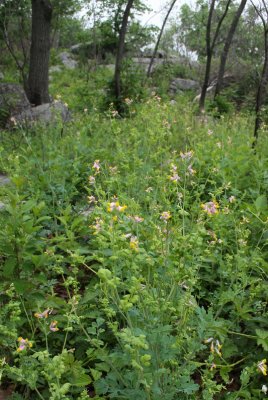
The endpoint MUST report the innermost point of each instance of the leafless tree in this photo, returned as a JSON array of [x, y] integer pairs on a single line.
[[120, 51], [211, 41], [159, 37], [227, 45], [262, 11]]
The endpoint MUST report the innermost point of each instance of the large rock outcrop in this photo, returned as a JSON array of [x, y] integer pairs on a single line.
[[45, 113], [13, 98], [180, 85]]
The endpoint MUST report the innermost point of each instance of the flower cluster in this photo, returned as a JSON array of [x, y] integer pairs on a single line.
[[24, 344], [91, 180], [98, 225], [43, 314], [262, 366], [174, 177], [96, 166], [134, 243], [53, 326], [187, 155], [165, 216], [138, 219], [115, 205], [210, 207], [215, 346], [91, 199]]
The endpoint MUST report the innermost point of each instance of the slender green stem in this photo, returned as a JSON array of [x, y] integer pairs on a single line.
[[39, 394], [243, 334]]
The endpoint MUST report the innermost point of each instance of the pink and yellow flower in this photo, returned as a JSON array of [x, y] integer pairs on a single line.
[[211, 207], [262, 366], [44, 314], [96, 166], [53, 326], [24, 344], [165, 216]]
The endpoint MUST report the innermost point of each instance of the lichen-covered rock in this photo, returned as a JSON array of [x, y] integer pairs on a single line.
[[4, 180], [45, 113], [13, 100], [67, 60], [180, 85]]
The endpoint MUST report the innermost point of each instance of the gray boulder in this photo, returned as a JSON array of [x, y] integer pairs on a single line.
[[180, 85], [228, 80], [45, 113], [67, 60], [55, 68], [13, 99], [4, 180]]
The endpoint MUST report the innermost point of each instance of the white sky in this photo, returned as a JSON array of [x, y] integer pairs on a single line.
[[159, 9]]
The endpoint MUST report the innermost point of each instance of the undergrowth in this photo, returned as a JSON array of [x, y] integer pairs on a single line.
[[134, 255]]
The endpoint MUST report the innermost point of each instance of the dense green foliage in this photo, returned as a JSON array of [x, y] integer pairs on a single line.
[[143, 241]]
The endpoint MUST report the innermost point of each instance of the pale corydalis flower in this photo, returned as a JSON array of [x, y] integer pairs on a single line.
[[13, 120], [114, 113], [91, 180], [115, 205], [166, 124], [242, 242], [262, 366], [128, 101], [210, 132], [97, 226], [215, 346], [219, 145], [149, 189], [245, 220], [231, 199], [23, 344], [138, 219], [53, 326], [113, 170], [210, 207], [134, 243], [191, 171], [96, 166], [44, 314], [213, 366], [165, 216], [91, 199], [187, 155], [174, 178]]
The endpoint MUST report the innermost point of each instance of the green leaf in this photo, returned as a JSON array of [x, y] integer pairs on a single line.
[[262, 338], [261, 203], [96, 374], [22, 286], [9, 267], [81, 380]]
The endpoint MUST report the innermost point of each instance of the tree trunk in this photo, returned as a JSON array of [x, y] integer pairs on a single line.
[[227, 46], [40, 51], [261, 91], [209, 58], [159, 37], [120, 52], [205, 83], [210, 45]]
